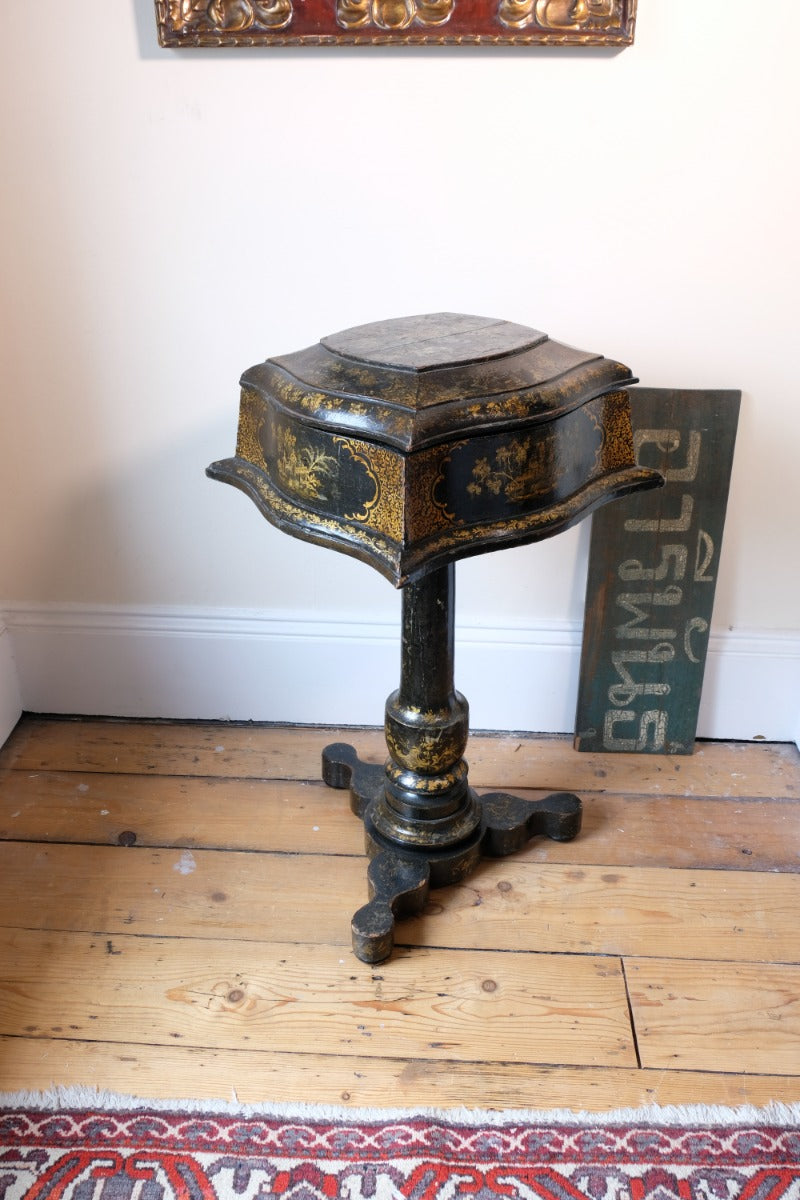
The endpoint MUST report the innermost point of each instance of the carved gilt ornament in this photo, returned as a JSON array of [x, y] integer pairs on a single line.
[[331, 22]]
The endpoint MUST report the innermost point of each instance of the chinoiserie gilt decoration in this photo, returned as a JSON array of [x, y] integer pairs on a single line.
[[410, 444], [321, 22]]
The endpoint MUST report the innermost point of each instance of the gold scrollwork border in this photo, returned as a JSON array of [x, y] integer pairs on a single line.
[[362, 458]]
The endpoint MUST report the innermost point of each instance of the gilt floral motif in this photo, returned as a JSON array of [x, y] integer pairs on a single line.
[[519, 470], [306, 469], [229, 16], [588, 15], [393, 15]]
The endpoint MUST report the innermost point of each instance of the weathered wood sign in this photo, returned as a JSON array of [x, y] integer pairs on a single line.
[[653, 567]]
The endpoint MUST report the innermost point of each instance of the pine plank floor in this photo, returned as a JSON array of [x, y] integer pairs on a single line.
[[175, 903]]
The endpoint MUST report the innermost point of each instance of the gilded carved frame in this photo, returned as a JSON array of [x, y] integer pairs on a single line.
[[387, 22]]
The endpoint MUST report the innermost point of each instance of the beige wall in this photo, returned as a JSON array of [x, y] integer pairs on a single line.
[[169, 218]]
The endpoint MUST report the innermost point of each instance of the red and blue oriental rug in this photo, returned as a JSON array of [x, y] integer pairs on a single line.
[[118, 1149]]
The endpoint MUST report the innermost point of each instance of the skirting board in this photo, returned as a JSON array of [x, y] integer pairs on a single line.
[[10, 698], [222, 665]]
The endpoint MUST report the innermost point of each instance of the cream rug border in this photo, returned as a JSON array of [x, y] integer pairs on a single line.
[[60, 1099]]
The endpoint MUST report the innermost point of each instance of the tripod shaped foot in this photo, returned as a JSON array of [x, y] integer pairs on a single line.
[[511, 821], [342, 768], [398, 887]]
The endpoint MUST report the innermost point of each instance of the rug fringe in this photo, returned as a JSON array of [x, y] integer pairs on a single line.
[[59, 1099]]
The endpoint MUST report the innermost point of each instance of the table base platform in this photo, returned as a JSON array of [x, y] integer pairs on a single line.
[[400, 877]]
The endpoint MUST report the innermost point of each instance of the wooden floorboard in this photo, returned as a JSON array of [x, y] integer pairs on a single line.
[[722, 1016], [508, 905], [215, 750], [463, 1004], [251, 1076], [742, 833], [174, 921]]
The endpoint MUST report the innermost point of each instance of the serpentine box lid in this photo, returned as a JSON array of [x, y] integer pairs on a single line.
[[413, 442], [413, 381]]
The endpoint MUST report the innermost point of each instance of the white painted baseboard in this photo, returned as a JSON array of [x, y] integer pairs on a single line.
[[193, 664], [10, 699]]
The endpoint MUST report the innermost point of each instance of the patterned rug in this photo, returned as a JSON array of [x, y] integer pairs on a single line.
[[113, 1148]]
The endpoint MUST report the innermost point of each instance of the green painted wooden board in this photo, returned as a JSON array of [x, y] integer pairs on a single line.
[[653, 567]]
